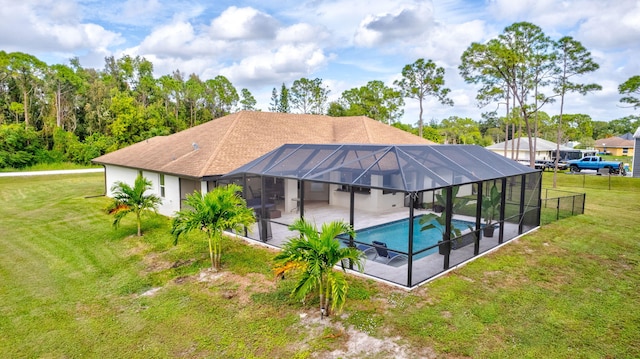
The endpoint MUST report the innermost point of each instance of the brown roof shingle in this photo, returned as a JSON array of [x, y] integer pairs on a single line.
[[221, 145], [614, 142]]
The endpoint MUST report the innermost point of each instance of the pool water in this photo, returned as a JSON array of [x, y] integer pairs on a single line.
[[396, 235]]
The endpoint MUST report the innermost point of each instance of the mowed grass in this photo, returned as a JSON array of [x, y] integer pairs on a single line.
[[72, 286]]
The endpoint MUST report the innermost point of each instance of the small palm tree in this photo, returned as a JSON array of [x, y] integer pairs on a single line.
[[314, 255], [127, 199], [221, 209]]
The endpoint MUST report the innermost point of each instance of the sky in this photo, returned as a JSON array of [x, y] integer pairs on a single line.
[[259, 45]]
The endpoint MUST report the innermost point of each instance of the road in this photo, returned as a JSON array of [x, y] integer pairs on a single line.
[[48, 173]]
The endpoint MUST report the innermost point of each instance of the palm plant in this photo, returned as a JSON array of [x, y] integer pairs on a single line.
[[490, 209], [127, 199], [313, 255], [221, 209]]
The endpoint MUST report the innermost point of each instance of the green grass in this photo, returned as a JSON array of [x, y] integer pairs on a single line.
[[71, 286]]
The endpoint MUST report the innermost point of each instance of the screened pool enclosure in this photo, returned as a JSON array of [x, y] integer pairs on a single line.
[[417, 210]]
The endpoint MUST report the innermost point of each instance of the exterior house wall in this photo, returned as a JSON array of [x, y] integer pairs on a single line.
[[115, 174], [377, 200], [170, 201], [616, 151]]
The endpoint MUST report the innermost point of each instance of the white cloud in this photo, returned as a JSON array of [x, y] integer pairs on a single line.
[[406, 24], [29, 27], [285, 63], [243, 24], [302, 32]]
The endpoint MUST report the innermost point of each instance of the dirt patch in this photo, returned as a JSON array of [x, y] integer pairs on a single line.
[[237, 287], [356, 344]]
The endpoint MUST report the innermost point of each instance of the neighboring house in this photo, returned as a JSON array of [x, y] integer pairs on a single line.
[[518, 149], [194, 159], [616, 146]]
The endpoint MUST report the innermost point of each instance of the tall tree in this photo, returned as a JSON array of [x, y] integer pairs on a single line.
[[313, 255], [213, 213], [27, 72], [309, 96], [422, 79], [127, 199], [274, 105], [522, 59], [247, 101], [220, 96], [283, 103], [573, 60], [193, 97], [65, 85], [630, 89]]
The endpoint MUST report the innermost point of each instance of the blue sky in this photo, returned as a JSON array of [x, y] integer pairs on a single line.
[[261, 44]]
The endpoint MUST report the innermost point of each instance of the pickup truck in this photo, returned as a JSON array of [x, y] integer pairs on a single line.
[[596, 163]]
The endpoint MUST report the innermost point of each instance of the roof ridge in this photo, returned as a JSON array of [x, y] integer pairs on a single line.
[[212, 157], [366, 126]]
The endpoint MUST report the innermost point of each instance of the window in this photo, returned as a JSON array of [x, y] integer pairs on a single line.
[[625, 151], [162, 185]]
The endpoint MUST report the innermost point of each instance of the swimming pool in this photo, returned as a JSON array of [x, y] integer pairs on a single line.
[[396, 235]]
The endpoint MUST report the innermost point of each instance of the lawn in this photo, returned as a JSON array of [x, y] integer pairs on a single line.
[[73, 286]]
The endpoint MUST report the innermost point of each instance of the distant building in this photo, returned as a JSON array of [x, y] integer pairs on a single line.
[[518, 149], [616, 146]]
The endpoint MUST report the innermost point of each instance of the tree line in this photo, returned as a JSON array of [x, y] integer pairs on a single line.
[[71, 113]]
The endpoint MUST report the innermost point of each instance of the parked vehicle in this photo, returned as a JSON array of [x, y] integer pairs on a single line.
[[596, 163], [562, 165]]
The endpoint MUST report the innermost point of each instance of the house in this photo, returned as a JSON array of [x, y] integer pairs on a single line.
[[379, 178], [518, 149], [193, 159], [616, 146]]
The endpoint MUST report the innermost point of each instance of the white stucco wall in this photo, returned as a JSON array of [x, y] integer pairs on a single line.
[[170, 201]]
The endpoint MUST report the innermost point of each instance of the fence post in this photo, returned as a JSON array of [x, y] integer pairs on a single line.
[[558, 209]]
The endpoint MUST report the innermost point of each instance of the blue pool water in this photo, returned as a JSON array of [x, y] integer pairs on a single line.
[[396, 235]]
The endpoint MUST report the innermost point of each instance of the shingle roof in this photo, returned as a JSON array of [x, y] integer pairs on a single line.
[[614, 142], [221, 145]]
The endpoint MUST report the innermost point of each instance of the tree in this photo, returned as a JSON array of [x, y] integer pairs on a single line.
[[313, 255], [631, 89], [221, 209], [458, 130], [247, 101], [220, 96], [127, 199], [194, 91], [520, 59], [309, 96], [65, 85], [27, 71], [573, 60], [274, 105], [283, 104], [422, 79], [375, 100]]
